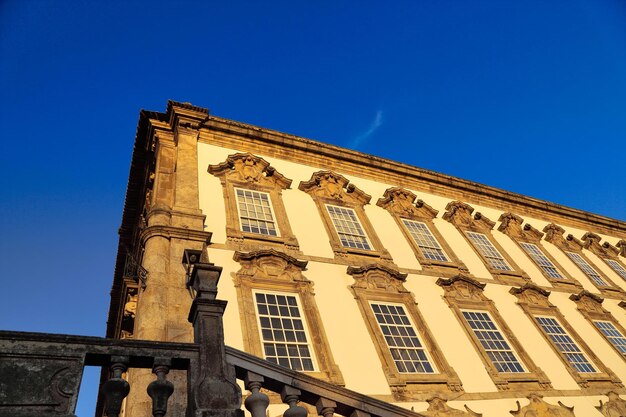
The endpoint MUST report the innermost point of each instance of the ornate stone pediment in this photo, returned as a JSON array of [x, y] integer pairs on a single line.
[[250, 169], [511, 225], [332, 186], [554, 235], [614, 407], [588, 302], [539, 408], [270, 265], [460, 215], [591, 241], [622, 247], [461, 287], [377, 277], [438, 407], [400, 201], [533, 295]]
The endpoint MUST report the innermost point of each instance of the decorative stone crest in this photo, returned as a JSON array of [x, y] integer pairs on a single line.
[[333, 186], [588, 302], [462, 287], [438, 407], [251, 169], [401, 202], [614, 407], [539, 408], [554, 235], [533, 295], [270, 265], [511, 225], [622, 247], [460, 215], [591, 241], [378, 277]]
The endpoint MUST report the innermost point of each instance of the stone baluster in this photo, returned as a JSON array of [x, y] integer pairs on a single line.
[[291, 395], [161, 389], [116, 388], [257, 401], [325, 407]]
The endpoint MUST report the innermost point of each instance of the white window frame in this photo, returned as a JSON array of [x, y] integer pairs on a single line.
[[430, 235], [502, 334], [610, 338], [356, 216], [580, 262], [272, 212], [540, 257], [414, 327], [304, 325], [501, 258], [573, 341]]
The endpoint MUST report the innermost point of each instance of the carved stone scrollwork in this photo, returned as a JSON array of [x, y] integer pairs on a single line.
[[438, 407], [378, 277], [588, 302], [554, 235], [248, 168], [460, 215], [614, 407], [622, 247], [400, 201], [462, 287], [270, 265], [533, 295], [333, 186], [511, 225], [539, 408]]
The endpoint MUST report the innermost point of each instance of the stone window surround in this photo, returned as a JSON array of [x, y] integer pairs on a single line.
[[464, 293], [378, 283], [401, 204], [326, 187], [534, 301], [590, 306], [273, 271], [460, 215], [605, 251], [554, 235], [511, 225], [249, 172]]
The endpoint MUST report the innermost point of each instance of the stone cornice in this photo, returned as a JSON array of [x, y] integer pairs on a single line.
[[308, 152]]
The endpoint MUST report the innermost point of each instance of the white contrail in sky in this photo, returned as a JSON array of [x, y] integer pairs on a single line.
[[376, 123]]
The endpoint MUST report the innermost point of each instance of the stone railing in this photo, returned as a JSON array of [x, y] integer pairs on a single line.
[[40, 373]]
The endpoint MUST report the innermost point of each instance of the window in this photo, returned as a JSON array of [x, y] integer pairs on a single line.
[[409, 356], [279, 317], [565, 344], [617, 267], [493, 342], [255, 212], [406, 349], [541, 259], [283, 331], [488, 251], [612, 334], [341, 206], [425, 240], [586, 268], [348, 228]]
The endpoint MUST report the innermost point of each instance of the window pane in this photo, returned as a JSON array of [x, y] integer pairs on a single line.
[[405, 348], [586, 268], [425, 240], [282, 344], [614, 336], [493, 342], [350, 232], [617, 267], [488, 251], [255, 212], [541, 259], [565, 344]]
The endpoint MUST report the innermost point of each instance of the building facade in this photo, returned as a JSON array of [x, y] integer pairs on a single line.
[[427, 291]]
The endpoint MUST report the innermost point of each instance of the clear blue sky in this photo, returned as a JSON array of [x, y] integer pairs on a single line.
[[481, 90]]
